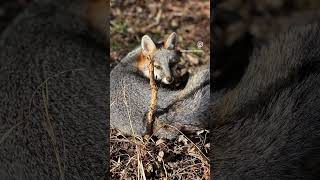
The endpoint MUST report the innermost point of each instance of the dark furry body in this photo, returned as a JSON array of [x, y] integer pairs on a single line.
[[268, 125], [53, 91]]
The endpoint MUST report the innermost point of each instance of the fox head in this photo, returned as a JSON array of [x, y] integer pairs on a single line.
[[164, 58]]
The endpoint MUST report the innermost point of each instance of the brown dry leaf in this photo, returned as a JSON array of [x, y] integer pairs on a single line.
[[160, 141], [183, 139], [160, 156]]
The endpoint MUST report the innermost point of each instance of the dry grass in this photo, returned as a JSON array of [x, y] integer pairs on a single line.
[[158, 158], [47, 123]]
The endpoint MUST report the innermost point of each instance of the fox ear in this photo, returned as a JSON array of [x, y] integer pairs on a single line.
[[147, 45], [171, 41]]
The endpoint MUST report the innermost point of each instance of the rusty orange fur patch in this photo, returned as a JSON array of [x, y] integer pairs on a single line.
[[141, 61]]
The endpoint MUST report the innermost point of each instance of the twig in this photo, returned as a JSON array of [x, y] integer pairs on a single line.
[[191, 51], [154, 94], [50, 130]]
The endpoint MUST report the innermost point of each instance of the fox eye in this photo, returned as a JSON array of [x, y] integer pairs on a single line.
[[157, 66], [173, 61]]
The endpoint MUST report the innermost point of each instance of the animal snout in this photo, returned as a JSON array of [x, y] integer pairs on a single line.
[[169, 79]]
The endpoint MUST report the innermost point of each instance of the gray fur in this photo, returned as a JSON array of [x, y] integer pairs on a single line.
[[164, 58], [130, 99]]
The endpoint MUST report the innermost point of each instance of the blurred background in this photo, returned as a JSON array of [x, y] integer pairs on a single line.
[[131, 19], [240, 25], [9, 9]]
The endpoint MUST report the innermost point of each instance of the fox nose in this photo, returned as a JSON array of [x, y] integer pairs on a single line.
[[169, 79]]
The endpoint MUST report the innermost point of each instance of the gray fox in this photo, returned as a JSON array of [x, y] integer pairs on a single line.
[[130, 92], [164, 58], [53, 91]]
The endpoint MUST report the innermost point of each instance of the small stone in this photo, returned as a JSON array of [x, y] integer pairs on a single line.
[[174, 23]]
